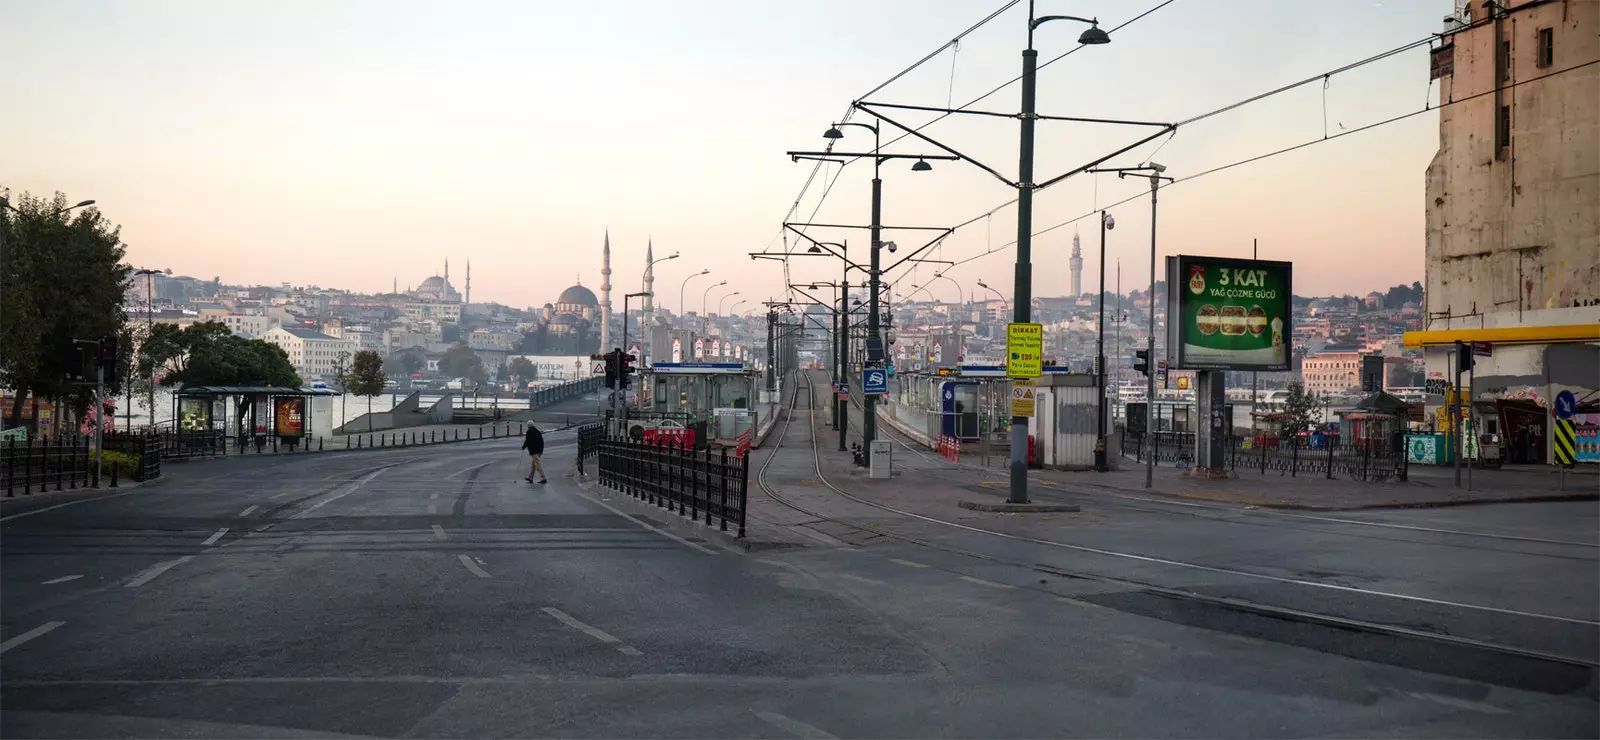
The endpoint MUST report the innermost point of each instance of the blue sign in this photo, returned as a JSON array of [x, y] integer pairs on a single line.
[[875, 380], [1566, 405]]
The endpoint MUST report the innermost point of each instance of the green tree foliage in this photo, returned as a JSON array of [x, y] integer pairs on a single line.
[[522, 370], [61, 278], [461, 362], [406, 362], [1300, 411], [367, 378], [209, 353]]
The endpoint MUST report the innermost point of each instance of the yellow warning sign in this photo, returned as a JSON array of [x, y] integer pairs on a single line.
[[1024, 350], [1563, 442], [1022, 397]]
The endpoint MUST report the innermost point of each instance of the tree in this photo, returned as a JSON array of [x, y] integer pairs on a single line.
[[209, 353], [1300, 411], [406, 362], [523, 370], [461, 362], [342, 376], [367, 378], [62, 278]]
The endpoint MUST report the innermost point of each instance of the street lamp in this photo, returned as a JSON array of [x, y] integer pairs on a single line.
[[622, 377], [724, 298], [996, 293], [683, 309], [149, 330], [703, 296]]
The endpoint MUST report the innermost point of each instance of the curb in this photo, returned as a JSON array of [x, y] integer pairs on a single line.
[[772, 423], [890, 419], [1010, 508], [672, 521], [1428, 504]]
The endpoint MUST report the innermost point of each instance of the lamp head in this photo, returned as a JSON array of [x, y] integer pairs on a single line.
[[1158, 168], [84, 204], [1093, 36], [921, 166], [815, 249], [833, 132]]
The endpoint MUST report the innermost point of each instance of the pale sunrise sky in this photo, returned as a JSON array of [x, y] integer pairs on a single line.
[[344, 144]]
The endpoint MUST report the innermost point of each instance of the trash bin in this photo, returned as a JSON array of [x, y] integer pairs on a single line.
[[882, 451]]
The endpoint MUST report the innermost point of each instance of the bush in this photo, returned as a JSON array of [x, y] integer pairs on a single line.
[[126, 464]]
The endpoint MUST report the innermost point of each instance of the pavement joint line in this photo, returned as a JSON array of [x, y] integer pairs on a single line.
[[794, 727], [248, 510], [39, 631], [438, 533], [590, 630], [62, 579], [476, 569], [212, 540], [907, 563], [151, 572], [42, 510], [982, 582]]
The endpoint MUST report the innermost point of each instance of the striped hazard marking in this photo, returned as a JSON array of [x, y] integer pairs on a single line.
[[1564, 446]]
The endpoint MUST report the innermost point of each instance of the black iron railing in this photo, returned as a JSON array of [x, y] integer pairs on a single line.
[[589, 438], [1359, 459], [689, 481]]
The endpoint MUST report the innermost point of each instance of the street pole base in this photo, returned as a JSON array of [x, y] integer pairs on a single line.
[[1019, 482], [1100, 464]]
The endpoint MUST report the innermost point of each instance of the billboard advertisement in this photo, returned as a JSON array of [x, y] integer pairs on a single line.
[[1228, 314], [289, 416]]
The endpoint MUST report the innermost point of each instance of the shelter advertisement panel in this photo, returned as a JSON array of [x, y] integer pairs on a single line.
[[1228, 314], [289, 415], [194, 414]]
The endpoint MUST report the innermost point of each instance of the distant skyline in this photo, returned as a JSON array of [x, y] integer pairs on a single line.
[[352, 144]]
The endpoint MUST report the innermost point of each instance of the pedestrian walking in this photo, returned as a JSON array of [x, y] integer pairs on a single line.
[[533, 442]]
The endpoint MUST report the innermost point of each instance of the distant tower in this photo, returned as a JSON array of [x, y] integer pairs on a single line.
[[605, 295], [1077, 267], [447, 269], [467, 300], [648, 313], [396, 288]]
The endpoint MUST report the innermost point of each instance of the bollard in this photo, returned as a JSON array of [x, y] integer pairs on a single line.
[[458, 434], [1294, 457], [383, 440], [1329, 445], [114, 475], [319, 445]]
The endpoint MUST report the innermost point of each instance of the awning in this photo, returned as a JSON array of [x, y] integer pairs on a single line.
[[1506, 335]]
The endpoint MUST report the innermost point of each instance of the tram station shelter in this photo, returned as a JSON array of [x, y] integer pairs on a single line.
[[724, 393], [255, 412]]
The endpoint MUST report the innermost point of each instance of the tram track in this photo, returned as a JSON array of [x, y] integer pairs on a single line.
[[1429, 633]]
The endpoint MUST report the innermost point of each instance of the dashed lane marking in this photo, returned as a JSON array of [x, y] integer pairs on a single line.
[[62, 579], [151, 572], [795, 727], [907, 563], [981, 582], [212, 540], [69, 503], [862, 579], [1078, 602], [29, 635], [476, 569], [248, 510], [438, 533], [592, 631]]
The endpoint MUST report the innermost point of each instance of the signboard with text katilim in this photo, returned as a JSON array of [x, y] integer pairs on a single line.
[[1228, 314], [1024, 350]]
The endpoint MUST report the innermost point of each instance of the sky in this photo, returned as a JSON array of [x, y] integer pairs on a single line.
[[363, 142]]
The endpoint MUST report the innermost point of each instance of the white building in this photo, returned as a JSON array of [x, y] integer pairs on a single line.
[[312, 353], [249, 327]]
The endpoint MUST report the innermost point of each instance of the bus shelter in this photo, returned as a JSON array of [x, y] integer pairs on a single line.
[[249, 414], [720, 394]]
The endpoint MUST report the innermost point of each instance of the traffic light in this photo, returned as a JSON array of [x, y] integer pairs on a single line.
[[108, 357], [1141, 361], [625, 369], [1464, 356], [611, 369]]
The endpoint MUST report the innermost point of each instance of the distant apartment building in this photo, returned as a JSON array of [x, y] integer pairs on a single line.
[[312, 353], [491, 340], [1512, 225], [249, 327], [1328, 373], [437, 312]]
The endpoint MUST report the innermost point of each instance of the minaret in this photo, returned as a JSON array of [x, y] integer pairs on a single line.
[[648, 313], [447, 269], [1077, 267], [467, 300], [605, 295]]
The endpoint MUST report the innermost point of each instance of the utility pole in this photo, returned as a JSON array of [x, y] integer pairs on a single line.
[[772, 357], [1022, 287], [840, 402], [1100, 463], [1254, 254], [1150, 338], [869, 401]]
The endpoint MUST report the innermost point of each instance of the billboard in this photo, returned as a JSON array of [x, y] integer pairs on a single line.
[[289, 416], [1228, 314]]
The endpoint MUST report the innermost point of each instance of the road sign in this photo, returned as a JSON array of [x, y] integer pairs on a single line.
[[597, 368], [1566, 405], [1022, 398], [875, 381], [1482, 349], [1024, 350], [1564, 442]]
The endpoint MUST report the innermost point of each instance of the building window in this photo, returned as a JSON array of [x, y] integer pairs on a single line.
[[1505, 61], [1546, 54], [1502, 128]]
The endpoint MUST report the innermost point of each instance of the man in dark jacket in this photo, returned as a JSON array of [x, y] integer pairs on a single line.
[[534, 444]]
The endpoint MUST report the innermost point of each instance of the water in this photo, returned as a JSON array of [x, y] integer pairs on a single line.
[[345, 408]]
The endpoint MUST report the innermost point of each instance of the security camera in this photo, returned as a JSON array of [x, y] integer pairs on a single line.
[[1110, 222], [1159, 168], [891, 246]]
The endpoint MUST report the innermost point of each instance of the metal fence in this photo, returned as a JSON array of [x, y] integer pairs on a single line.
[[547, 396], [681, 479], [1360, 459], [589, 438], [66, 462]]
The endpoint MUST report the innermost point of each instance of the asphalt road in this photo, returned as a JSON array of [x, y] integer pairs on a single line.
[[431, 592]]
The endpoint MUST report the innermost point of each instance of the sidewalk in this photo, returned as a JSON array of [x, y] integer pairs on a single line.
[[1428, 486]]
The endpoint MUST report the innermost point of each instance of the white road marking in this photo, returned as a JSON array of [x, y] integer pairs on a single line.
[[248, 510], [907, 563], [794, 727], [438, 533], [861, 579], [474, 567], [29, 635], [981, 582], [1078, 602], [655, 529], [62, 579], [595, 632], [69, 503], [212, 540], [468, 470], [151, 572], [346, 491]]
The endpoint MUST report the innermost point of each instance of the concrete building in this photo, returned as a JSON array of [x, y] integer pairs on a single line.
[[1513, 213], [1329, 373], [312, 353], [249, 327], [438, 312]]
